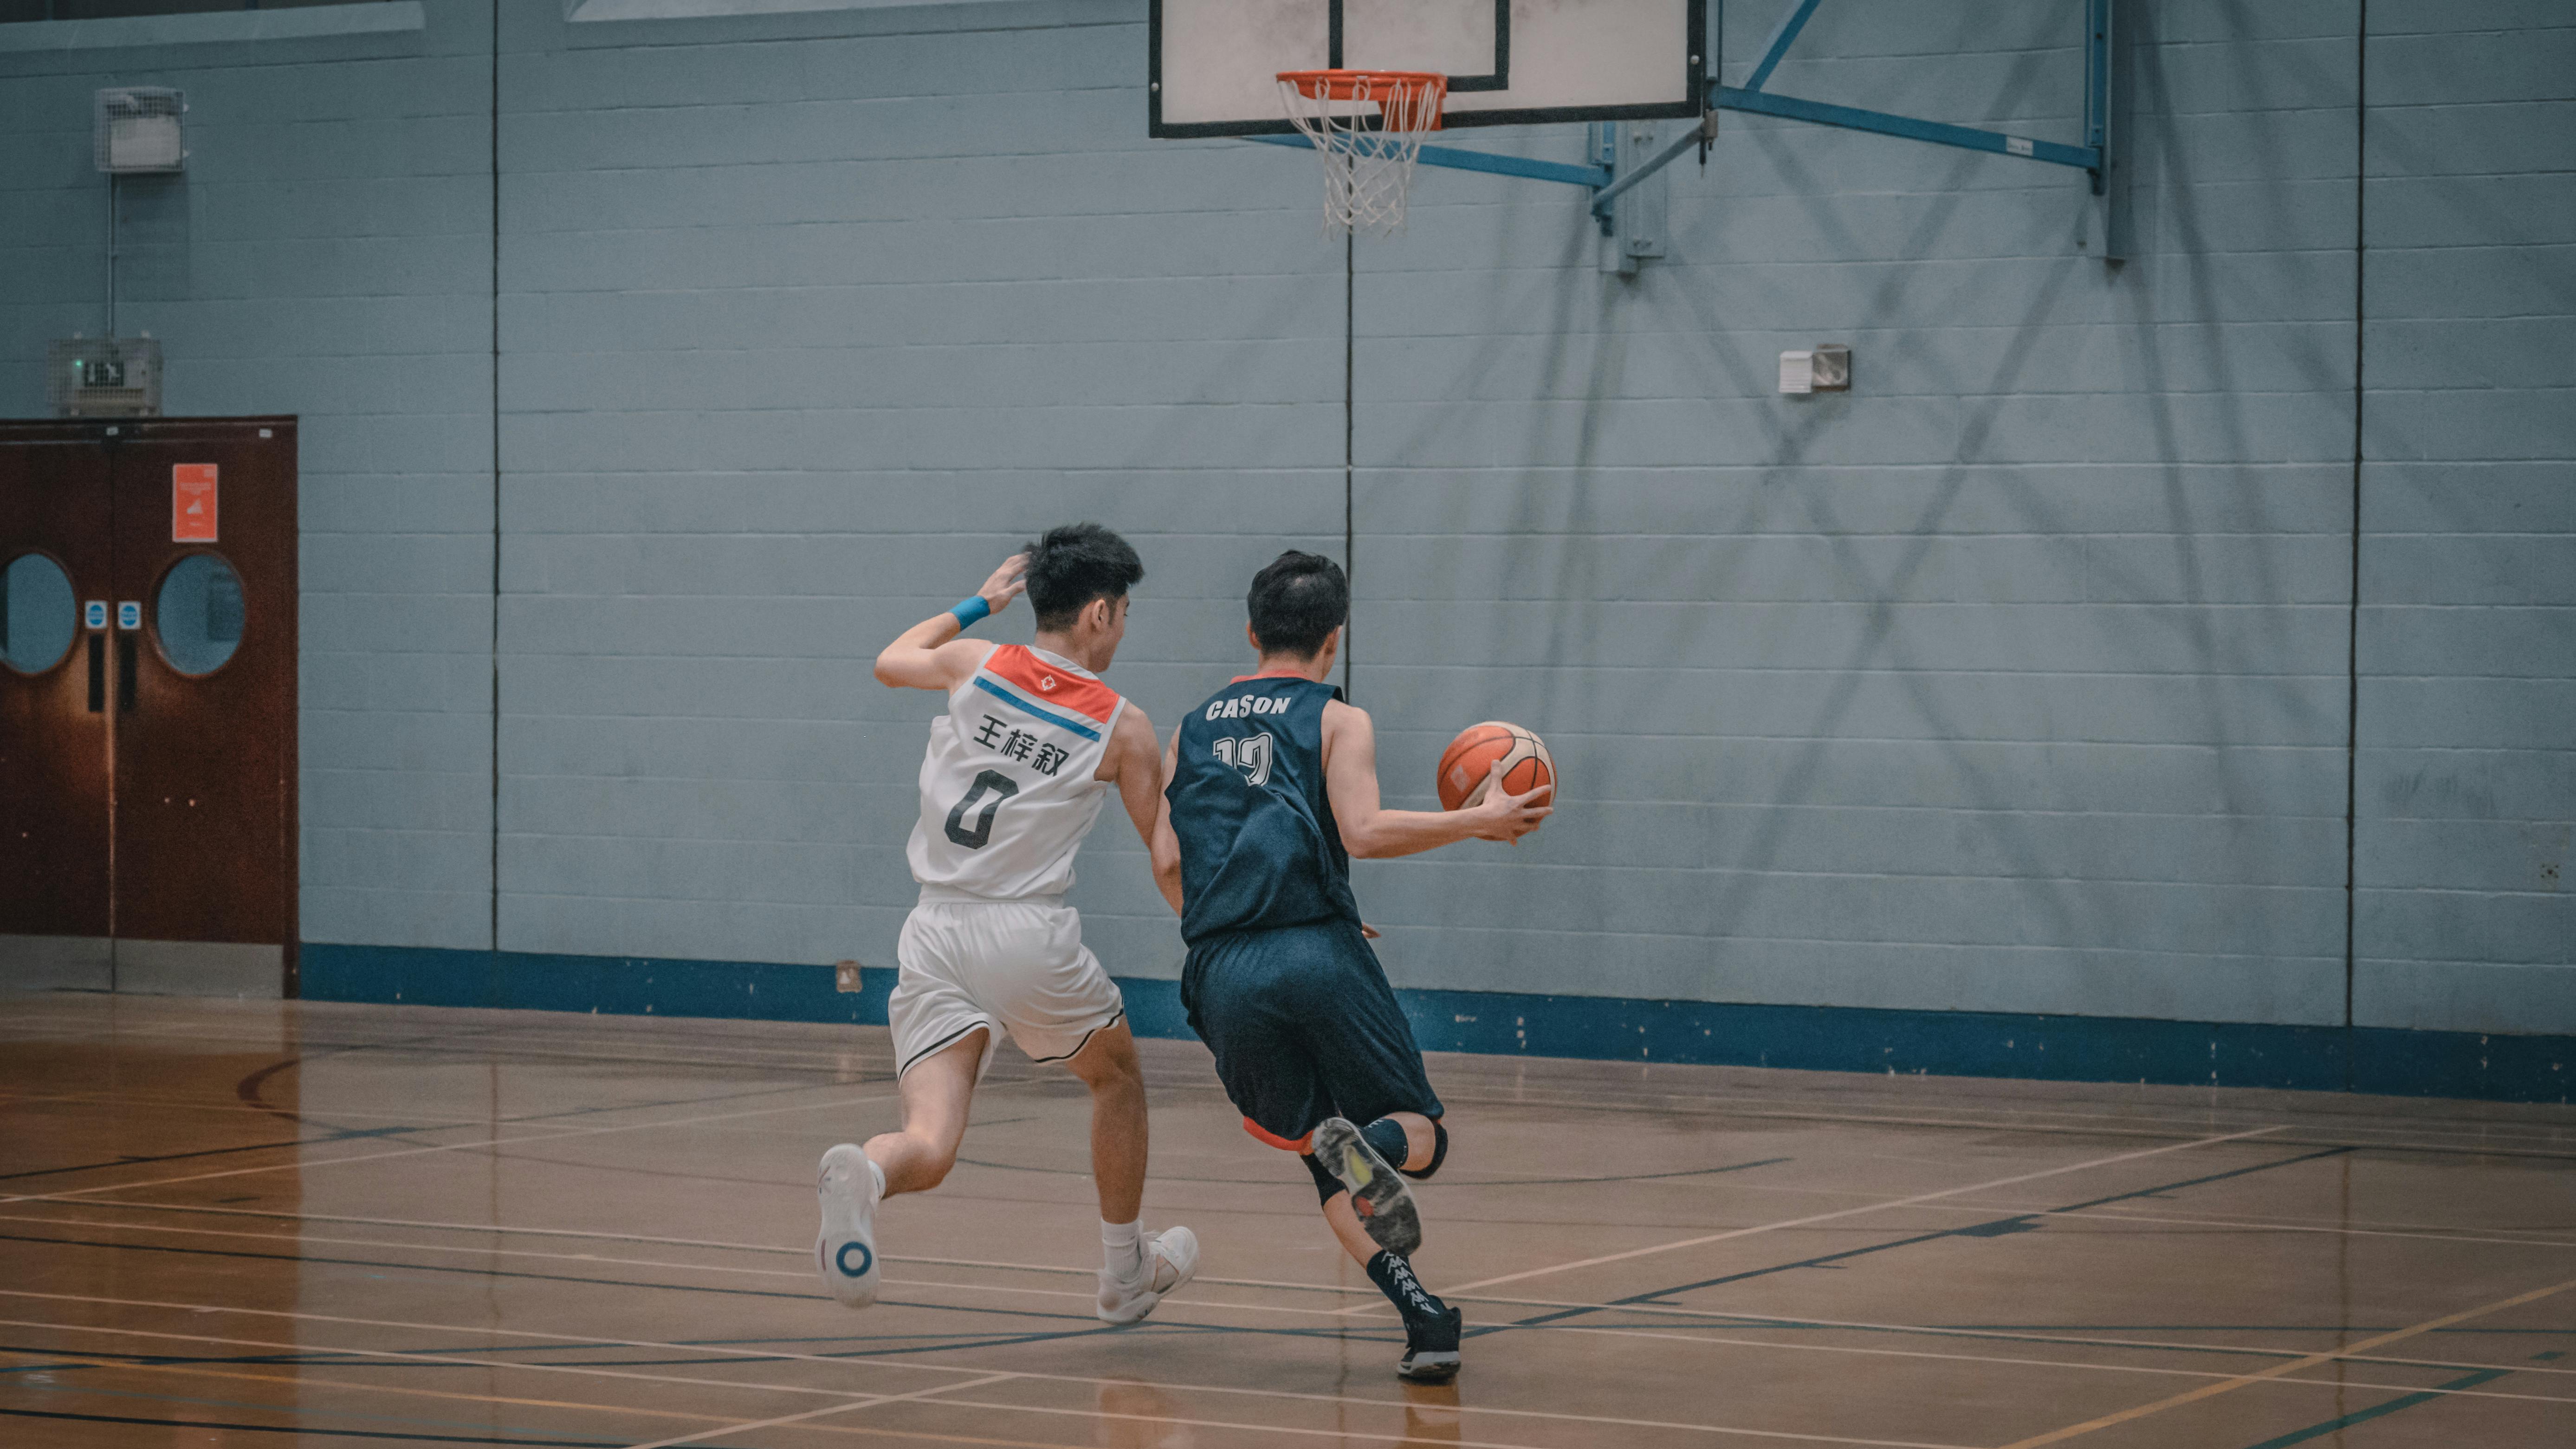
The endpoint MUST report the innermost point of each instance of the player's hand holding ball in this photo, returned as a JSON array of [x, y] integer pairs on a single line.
[[1499, 773]]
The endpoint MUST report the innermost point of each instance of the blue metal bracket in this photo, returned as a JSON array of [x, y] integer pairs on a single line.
[[1939, 133], [2100, 155]]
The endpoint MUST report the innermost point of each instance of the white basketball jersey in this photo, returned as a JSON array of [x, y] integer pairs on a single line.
[[1006, 787]]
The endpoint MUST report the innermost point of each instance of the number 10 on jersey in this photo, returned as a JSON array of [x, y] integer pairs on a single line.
[[1250, 756]]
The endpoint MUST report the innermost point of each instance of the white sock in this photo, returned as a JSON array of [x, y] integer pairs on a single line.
[[1123, 1245], [878, 1173]]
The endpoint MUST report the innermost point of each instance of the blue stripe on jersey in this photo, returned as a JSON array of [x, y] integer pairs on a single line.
[[1050, 716]]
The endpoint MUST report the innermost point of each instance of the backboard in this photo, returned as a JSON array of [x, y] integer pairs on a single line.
[[1510, 62]]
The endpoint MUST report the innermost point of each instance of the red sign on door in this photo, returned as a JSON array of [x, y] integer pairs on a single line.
[[192, 503]]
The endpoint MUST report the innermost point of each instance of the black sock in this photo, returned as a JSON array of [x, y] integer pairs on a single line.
[[1387, 1136], [1394, 1278]]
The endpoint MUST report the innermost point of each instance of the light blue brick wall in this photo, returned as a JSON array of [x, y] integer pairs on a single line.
[[2013, 680], [2466, 783], [327, 253]]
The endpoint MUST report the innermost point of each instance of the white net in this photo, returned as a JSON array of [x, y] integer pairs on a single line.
[[1368, 127]]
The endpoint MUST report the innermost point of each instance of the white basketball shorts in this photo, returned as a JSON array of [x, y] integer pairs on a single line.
[[967, 961]]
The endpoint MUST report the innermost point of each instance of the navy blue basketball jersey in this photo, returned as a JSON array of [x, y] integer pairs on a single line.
[[1259, 848]]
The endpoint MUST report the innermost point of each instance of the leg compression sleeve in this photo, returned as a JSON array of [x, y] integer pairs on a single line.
[[1325, 1183], [1386, 1135], [1439, 1154]]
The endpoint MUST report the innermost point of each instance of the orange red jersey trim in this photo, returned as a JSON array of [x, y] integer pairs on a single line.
[[1051, 686]]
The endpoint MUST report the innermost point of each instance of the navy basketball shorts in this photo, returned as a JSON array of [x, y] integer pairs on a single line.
[[1304, 1027]]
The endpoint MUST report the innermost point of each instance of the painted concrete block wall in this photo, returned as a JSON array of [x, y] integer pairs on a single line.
[[2014, 680], [327, 253], [2466, 783], [806, 325], [2011, 680]]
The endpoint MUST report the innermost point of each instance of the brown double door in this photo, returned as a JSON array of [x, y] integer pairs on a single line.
[[147, 705]]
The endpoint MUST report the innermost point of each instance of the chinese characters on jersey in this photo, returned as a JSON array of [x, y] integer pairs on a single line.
[[1011, 744]]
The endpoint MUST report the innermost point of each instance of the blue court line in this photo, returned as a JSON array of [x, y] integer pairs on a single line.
[[1657, 1296], [91, 1390], [1050, 716], [2314, 1431], [2029, 1046], [333, 1136]]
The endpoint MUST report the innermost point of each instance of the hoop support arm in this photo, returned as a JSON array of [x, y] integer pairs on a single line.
[[2105, 107], [1487, 161], [1698, 136], [1939, 133]]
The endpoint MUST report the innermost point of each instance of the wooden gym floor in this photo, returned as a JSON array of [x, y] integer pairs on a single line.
[[248, 1224]]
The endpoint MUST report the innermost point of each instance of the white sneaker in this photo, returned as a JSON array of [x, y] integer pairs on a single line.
[[845, 1252], [1171, 1259]]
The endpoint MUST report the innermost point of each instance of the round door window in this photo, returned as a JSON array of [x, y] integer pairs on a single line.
[[37, 615], [198, 614]]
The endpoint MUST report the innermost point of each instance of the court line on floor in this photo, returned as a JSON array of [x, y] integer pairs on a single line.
[[2066, 1123], [1171, 1320], [596, 1340], [2421, 1232], [2107, 1124], [1989, 1227], [554, 1030], [1840, 1213], [364, 1386], [865, 1403], [1409, 1436], [1644, 1309], [457, 1360], [38, 1359], [516, 1120], [1716, 1317], [2052, 1363], [1339, 1289], [778, 1355], [2378, 1411], [2308, 1361], [220, 1426], [486, 1145], [2249, 1225]]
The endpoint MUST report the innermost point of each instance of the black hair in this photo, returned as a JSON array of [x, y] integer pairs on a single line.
[[1296, 602], [1074, 565]]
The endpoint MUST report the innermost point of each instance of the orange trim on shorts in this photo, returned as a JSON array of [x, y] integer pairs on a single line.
[[1298, 1145]]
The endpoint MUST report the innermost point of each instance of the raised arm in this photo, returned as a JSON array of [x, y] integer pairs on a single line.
[[1138, 770], [1371, 833], [929, 655]]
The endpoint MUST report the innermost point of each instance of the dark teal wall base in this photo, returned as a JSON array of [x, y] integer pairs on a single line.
[[1599, 1028]]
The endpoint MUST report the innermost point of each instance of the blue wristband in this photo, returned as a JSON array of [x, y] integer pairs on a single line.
[[968, 611]]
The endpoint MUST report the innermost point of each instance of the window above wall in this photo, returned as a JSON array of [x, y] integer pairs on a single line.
[[35, 26], [582, 10], [14, 11]]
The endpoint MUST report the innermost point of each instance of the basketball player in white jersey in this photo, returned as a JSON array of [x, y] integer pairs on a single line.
[[1016, 773]]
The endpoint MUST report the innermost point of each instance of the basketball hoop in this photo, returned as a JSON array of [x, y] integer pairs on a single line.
[[1368, 160]]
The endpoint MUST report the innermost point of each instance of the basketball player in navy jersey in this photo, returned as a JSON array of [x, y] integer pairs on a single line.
[[1032, 745], [1273, 789]]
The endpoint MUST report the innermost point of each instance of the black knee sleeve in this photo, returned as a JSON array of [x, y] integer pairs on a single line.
[[1325, 1183], [1439, 1154]]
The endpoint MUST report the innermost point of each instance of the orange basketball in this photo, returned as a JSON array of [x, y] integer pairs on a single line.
[[1470, 758]]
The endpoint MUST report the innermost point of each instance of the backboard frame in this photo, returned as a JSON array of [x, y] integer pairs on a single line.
[[1693, 62]]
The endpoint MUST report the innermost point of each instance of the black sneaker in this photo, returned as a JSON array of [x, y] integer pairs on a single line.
[[1378, 1196], [1431, 1350]]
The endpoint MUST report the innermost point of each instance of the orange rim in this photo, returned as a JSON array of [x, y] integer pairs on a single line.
[[1392, 90]]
